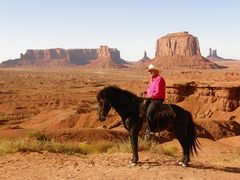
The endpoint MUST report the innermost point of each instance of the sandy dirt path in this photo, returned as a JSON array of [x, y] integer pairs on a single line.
[[104, 166]]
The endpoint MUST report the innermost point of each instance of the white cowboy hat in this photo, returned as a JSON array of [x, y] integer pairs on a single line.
[[152, 67]]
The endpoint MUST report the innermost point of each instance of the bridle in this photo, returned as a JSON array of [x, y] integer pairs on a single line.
[[103, 113]]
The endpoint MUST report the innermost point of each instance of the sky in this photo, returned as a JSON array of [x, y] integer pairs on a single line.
[[131, 26]]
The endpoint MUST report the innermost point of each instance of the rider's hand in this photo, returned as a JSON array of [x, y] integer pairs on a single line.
[[142, 94]]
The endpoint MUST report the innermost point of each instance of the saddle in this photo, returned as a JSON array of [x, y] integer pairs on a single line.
[[162, 116], [165, 110]]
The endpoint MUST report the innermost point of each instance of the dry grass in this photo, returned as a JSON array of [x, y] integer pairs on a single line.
[[29, 145], [38, 143], [38, 136], [169, 150]]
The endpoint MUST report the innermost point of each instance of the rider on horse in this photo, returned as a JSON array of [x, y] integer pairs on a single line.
[[156, 95]]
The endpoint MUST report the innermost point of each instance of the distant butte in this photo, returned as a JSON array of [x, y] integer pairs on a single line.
[[214, 57], [174, 51], [107, 59], [145, 57], [103, 57], [180, 51]]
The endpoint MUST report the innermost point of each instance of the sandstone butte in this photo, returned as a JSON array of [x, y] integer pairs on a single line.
[[214, 57], [174, 51], [179, 51], [103, 57]]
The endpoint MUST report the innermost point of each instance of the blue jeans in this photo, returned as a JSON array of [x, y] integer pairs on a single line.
[[151, 110]]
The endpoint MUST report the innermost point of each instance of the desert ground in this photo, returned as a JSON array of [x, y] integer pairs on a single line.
[[61, 103]]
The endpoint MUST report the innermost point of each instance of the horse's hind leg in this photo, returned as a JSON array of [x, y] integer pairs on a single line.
[[185, 154]]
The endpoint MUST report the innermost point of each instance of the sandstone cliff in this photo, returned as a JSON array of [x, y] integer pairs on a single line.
[[63, 57], [82, 56], [179, 51], [210, 98], [107, 58], [177, 44], [215, 109], [49, 57]]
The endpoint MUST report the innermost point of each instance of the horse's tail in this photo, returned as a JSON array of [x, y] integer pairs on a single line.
[[194, 144]]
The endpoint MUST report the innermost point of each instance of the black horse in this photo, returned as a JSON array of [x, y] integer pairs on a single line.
[[129, 107]]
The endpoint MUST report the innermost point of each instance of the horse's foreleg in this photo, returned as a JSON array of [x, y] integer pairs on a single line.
[[134, 144]]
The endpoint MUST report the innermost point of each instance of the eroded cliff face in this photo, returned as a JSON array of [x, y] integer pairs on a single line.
[[63, 57], [82, 56], [104, 52], [48, 57], [226, 98], [57, 53], [107, 58], [210, 98], [180, 51], [177, 44], [215, 109]]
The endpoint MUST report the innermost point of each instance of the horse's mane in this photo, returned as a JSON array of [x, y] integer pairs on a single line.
[[115, 88]]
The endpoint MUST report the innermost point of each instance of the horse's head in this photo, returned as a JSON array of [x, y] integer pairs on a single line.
[[113, 97], [103, 107]]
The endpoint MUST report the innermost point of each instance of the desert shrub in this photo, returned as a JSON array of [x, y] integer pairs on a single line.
[[144, 145], [27, 145], [113, 149], [86, 148], [155, 148], [65, 148], [103, 146], [169, 150], [36, 145], [38, 136], [11, 146], [6, 147], [124, 147]]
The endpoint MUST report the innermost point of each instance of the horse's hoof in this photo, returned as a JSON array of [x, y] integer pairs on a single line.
[[132, 163], [182, 164]]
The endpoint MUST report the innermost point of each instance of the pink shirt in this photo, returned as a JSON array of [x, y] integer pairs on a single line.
[[156, 88]]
